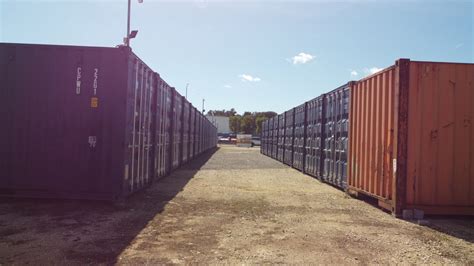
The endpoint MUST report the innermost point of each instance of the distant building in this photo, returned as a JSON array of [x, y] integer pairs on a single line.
[[221, 122]]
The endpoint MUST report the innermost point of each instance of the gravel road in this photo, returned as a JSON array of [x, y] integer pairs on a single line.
[[231, 206]]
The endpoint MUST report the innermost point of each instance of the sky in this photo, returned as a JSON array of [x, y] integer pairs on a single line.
[[262, 55]]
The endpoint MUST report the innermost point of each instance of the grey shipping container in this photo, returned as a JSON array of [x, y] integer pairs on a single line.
[[336, 136], [270, 137], [299, 137], [264, 138], [281, 137], [314, 136], [289, 134], [275, 138]]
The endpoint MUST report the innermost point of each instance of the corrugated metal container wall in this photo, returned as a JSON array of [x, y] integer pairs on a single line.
[[138, 161], [266, 137], [300, 137], [168, 127], [372, 135], [440, 152], [336, 136], [72, 129], [177, 130], [275, 137], [198, 133], [160, 135], [186, 122], [270, 137], [411, 137], [263, 138], [314, 157], [281, 137], [289, 133], [204, 135], [192, 124]]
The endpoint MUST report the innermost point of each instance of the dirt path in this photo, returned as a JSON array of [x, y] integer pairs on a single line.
[[237, 207]]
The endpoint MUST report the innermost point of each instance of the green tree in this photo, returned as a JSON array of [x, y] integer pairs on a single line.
[[247, 124], [234, 123], [258, 123], [223, 112]]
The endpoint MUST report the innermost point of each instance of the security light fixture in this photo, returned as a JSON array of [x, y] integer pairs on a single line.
[[133, 34]]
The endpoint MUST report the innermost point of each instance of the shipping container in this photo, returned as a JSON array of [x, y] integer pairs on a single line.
[[76, 121], [314, 137], [267, 135], [281, 137], [263, 138], [83, 122], [177, 124], [192, 131], [299, 137], [163, 128], [270, 137], [198, 133], [275, 138], [289, 134], [185, 135], [336, 125], [411, 137]]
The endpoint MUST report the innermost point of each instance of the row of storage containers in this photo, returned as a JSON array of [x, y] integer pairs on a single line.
[[403, 136], [90, 123]]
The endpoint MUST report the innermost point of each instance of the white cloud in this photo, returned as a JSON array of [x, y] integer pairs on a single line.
[[246, 77], [227, 86], [372, 70], [302, 58], [354, 73], [459, 45]]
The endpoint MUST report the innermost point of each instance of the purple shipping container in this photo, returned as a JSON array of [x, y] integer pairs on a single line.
[[163, 128], [88, 123], [176, 142], [77, 121], [185, 137]]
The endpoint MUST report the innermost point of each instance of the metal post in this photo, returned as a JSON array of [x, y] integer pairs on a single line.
[[187, 84], [202, 106], [127, 38]]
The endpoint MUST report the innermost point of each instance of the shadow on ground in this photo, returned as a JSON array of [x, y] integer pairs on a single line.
[[460, 227], [84, 232]]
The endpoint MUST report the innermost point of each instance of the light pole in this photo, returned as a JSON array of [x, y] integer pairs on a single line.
[[187, 85], [203, 111], [133, 34]]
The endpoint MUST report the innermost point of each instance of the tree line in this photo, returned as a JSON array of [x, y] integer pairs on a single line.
[[247, 123]]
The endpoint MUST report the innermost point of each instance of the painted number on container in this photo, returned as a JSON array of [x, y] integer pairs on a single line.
[[96, 78], [78, 80], [94, 102], [92, 141]]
